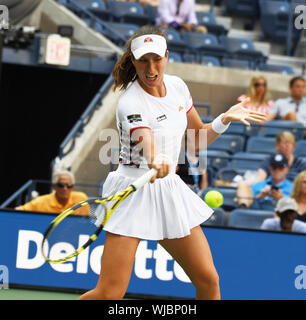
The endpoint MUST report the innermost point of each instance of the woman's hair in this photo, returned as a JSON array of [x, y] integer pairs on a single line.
[[124, 71], [296, 189], [252, 92], [286, 135]]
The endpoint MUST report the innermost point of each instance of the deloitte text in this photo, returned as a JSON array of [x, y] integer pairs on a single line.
[[91, 258]]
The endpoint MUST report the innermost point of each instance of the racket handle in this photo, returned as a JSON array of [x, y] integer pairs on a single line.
[[144, 179]]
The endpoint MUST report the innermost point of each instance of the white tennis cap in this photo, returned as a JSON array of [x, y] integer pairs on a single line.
[[150, 43]]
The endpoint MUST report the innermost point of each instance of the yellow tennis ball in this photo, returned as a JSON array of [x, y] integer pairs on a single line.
[[214, 199]]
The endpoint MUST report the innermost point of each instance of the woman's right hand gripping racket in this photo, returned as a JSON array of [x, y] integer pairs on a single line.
[[97, 212]]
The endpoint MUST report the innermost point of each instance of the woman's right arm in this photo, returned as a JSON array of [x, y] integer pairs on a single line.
[[146, 144]]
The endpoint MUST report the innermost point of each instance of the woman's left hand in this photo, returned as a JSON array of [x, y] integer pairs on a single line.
[[239, 113]]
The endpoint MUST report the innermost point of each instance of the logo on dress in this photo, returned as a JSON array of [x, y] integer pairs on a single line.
[[134, 118], [161, 118], [148, 39], [180, 108]]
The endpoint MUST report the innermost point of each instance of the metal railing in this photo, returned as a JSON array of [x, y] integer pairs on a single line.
[[25, 192]]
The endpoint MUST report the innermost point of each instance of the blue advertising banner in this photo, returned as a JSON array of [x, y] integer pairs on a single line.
[[251, 264]]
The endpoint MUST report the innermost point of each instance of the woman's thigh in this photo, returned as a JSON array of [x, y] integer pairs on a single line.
[[117, 261], [193, 254]]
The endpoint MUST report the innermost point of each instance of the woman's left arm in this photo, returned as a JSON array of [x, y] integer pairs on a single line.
[[213, 130]]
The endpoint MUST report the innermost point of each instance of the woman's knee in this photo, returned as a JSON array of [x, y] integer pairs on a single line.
[[207, 280]]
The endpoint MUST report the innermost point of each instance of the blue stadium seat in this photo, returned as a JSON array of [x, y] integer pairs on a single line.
[[300, 148], [190, 58], [236, 128], [152, 13], [174, 57], [247, 160], [248, 218], [276, 68], [203, 44], [216, 219], [272, 128], [97, 7], [261, 145], [207, 19], [230, 143], [126, 30], [174, 40], [242, 8], [215, 158], [274, 17], [128, 12], [210, 61], [235, 63], [229, 196], [243, 49]]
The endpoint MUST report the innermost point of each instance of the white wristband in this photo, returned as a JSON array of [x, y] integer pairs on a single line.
[[218, 126]]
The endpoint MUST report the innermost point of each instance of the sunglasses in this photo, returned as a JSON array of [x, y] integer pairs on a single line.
[[62, 185], [257, 84]]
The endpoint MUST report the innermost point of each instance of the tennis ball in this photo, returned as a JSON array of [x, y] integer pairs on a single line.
[[214, 199]]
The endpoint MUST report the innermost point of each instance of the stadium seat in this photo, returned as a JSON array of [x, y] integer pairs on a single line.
[[98, 8], [152, 13], [174, 57], [215, 158], [236, 128], [128, 12], [208, 20], [248, 218], [243, 49], [126, 30], [174, 40], [272, 128], [210, 61], [203, 44], [261, 145], [300, 148], [247, 160], [230, 143], [235, 63], [216, 219], [274, 17], [276, 68], [229, 197], [242, 8]]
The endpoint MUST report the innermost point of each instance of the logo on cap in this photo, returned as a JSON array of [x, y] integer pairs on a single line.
[[148, 39]]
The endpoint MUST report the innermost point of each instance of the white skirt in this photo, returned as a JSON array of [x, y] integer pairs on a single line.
[[165, 209]]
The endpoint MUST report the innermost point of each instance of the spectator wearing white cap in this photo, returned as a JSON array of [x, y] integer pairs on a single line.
[[286, 212]]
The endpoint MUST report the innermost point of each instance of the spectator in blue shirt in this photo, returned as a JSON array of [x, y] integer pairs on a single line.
[[265, 194], [285, 220]]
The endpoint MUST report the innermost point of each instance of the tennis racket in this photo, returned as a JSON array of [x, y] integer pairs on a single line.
[[93, 214]]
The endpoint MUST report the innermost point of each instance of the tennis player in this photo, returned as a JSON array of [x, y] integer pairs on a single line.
[[153, 112]]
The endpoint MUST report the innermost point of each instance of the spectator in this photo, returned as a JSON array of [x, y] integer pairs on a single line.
[[299, 195], [284, 144], [178, 14], [192, 169], [259, 95], [63, 198], [294, 107], [267, 192], [286, 211]]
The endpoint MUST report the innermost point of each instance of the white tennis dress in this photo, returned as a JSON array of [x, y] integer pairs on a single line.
[[167, 208]]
